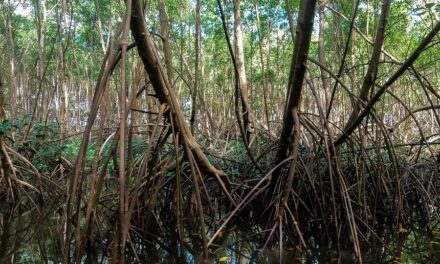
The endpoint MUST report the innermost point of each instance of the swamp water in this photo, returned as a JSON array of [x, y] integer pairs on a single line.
[[33, 236]]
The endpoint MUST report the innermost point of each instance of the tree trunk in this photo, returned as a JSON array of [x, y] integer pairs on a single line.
[[290, 17], [247, 124], [196, 66], [370, 77], [166, 94], [263, 73], [289, 131], [123, 187], [166, 41], [8, 188], [101, 32], [10, 48], [325, 77]]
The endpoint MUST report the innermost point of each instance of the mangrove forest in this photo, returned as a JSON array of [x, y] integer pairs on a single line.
[[219, 131]]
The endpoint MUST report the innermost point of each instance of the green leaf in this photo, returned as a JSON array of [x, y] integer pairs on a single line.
[[429, 5], [223, 259], [4, 126]]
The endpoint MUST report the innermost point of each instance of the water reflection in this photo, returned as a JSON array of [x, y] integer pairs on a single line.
[[33, 236]]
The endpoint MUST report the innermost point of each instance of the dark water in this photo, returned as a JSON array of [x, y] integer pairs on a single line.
[[34, 236]]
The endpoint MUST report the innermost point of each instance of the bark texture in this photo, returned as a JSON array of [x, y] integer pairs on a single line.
[[247, 124], [164, 90]]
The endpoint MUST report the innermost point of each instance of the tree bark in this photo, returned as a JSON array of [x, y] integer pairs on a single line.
[[166, 94], [100, 30], [290, 17], [7, 181], [196, 66], [263, 73], [123, 188], [370, 77], [10, 48], [166, 41], [247, 123], [325, 77], [290, 132]]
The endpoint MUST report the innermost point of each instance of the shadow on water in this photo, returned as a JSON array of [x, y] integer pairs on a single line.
[[32, 236], [390, 247], [415, 244]]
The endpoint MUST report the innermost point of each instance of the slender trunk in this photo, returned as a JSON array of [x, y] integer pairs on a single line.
[[10, 48], [370, 77], [166, 41], [41, 31], [63, 76], [151, 105], [247, 124], [289, 15], [325, 77], [260, 46], [162, 86], [8, 190], [196, 66], [101, 32], [289, 133], [123, 192], [40, 21]]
